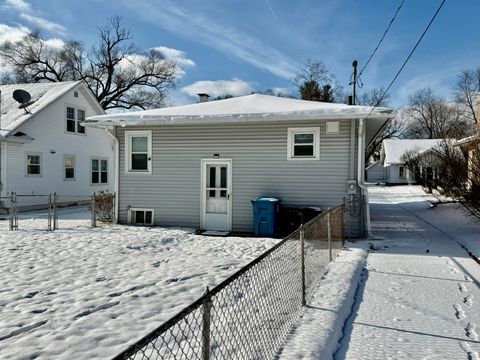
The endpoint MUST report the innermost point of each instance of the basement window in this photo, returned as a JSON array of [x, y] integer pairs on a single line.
[[303, 144], [140, 217]]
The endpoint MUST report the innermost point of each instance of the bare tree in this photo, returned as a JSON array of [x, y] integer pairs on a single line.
[[432, 117], [468, 90], [394, 128], [316, 83], [117, 72]]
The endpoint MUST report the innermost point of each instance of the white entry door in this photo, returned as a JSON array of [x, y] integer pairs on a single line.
[[216, 206]]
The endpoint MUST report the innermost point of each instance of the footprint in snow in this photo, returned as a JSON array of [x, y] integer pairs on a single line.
[[459, 312], [462, 288], [96, 309]]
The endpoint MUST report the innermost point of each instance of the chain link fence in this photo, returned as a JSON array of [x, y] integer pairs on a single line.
[[249, 314], [53, 211]]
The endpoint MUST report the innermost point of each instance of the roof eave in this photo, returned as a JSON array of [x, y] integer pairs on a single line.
[[116, 120]]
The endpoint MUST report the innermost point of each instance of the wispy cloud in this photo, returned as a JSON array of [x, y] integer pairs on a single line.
[[216, 34], [11, 33], [26, 12], [174, 54], [271, 9], [42, 23], [234, 87], [18, 4]]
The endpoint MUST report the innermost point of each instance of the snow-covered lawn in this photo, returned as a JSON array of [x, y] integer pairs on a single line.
[[87, 293]]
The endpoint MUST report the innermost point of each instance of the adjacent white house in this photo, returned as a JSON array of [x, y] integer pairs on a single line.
[[200, 165], [391, 157], [45, 148]]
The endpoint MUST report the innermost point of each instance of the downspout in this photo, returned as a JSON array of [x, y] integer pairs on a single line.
[[361, 174], [116, 162]]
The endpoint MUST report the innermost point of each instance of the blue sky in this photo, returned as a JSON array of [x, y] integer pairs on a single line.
[[240, 46]]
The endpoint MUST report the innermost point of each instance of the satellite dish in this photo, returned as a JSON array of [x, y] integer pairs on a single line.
[[23, 97]]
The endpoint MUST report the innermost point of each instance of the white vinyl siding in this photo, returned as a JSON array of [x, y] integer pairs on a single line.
[[138, 152], [258, 152]]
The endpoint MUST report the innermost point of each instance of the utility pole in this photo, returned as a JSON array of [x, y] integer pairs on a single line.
[[354, 82]]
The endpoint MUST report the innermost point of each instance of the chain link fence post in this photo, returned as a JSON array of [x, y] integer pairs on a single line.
[[50, 205], [302, 255], [206, 317], [329, 234], [94, 211], [55, 211], [11, 213]]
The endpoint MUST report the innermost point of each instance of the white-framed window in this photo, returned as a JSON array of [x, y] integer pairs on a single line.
[[332, 127], [401, 172], [140, 216], [74, 117], [33, 164], [303, 143], [99, 171], [68, 167], [138, 152]]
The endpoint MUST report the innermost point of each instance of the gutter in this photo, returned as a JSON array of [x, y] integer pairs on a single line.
[[361, 174], [116, 160]]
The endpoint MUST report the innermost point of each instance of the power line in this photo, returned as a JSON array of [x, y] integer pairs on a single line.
[[408, 58], [381, 39]]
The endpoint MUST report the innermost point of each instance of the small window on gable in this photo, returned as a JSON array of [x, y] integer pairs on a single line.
[[303, 144], [333, 127], [138, 151], [74, 117], [141, 217]]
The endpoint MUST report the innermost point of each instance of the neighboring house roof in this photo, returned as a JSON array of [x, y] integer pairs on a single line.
[[394, 149], [43, 94], [255, 107]]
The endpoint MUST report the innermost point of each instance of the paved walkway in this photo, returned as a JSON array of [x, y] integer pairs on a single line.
[[420, 294]]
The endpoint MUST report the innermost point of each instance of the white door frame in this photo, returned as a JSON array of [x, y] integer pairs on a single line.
[[203, 193]]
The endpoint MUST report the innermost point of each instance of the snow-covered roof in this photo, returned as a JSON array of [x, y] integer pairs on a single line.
[[12, 116], [255, 107], [394, 149]]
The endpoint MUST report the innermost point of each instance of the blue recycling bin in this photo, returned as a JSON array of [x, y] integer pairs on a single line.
[[265, 211]]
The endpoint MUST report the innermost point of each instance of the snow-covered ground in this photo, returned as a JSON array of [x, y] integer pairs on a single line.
[[87, 293], [416, 296], [420, 290]]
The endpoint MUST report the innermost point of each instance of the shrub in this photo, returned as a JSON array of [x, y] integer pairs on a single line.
[[104, 206]]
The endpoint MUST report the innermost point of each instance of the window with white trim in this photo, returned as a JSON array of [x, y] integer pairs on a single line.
[[303, 144], [401, 172], [69, 167], [138, 151], [141, 217], [99, 171], [74, 118], [33, 164]]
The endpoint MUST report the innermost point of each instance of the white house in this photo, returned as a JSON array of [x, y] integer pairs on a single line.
[[200, 165], [45, 148], [391, 157]]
